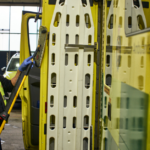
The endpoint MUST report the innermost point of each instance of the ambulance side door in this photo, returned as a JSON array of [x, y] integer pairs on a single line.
[[30, 93]]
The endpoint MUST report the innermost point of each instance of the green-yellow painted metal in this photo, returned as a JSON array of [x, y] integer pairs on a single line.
[[2, 93], [24, 94]]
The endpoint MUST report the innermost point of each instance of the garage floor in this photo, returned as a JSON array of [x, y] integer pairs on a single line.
[[12, 135]]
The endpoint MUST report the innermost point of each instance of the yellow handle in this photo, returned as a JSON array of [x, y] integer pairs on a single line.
[[2, 126]]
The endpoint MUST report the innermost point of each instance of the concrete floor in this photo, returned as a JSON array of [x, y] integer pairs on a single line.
[[12, 135]]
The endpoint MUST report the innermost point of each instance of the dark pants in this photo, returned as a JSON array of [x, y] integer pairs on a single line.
[[0, 145]]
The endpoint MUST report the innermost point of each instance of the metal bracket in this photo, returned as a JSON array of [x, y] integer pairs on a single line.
[[80, 46]]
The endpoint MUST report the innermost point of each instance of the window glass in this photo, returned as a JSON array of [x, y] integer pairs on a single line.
[[33, 28], [15, 18], [15, 42], [4, 42], [4, 17], [33, 42], [14, 64], [39, 23]]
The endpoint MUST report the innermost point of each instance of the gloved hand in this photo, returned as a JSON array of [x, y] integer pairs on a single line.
[[25, 63]]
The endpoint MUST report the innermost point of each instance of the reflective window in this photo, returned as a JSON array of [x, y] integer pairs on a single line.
[[13, 65]]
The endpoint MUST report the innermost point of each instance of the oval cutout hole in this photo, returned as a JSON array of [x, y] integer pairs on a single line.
[[140, 22], [143, 41], [108, 40], [120, 22], [105, 144], [65, 101], [87, 102], [57, 19], [126, 124], [110, 24], [118, 102], [53, 59], [66, 59], [77, 21], [105, 121], [86, 122], [136, 4], [130, 22], [67, 20], [61, 2], [129, 61], [141, 82], [52, 122], [54, 39], [127, 102], [90, 40], [142, 62], [108, 80], [74, 122], [105, 102], [76, 60], [87, 81], [119, 58], [52, 101], [84, 3], [52, 143], [89, 60], [75, 101], [53, 80], [85, 144], [64, 122], [87, 21], [108, 60], [116, 4], [67, 38], [77, 39]]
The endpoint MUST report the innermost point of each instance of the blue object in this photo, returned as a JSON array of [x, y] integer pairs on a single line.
[[25, 63], [38, 104]]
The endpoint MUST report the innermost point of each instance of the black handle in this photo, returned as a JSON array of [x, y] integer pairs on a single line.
[[28, 69]]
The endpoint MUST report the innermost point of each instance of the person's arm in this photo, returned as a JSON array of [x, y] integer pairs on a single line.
[[9, 84], [15, 78], [23, 67]]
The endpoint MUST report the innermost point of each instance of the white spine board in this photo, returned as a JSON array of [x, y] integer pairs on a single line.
[[70, 79]]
